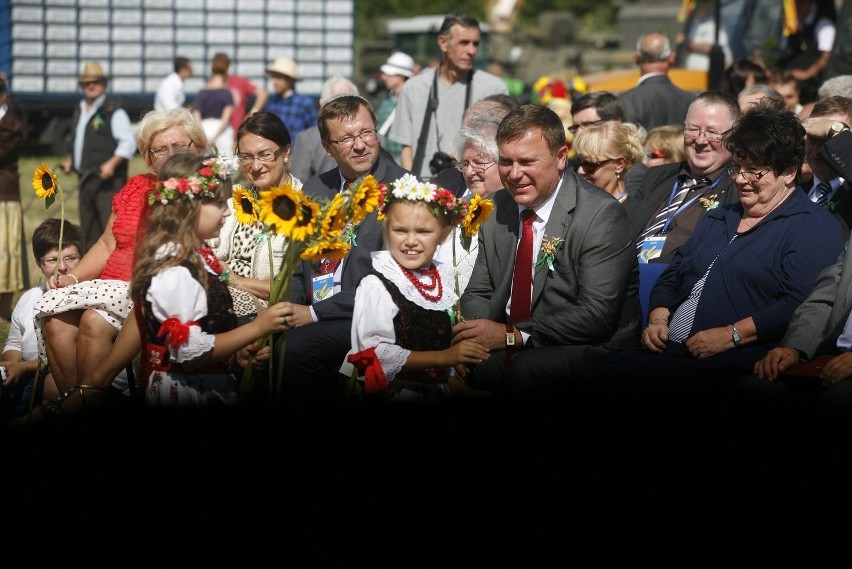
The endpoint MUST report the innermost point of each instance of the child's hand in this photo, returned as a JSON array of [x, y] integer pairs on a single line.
[[254, 355], [467, 352], [272, 319]]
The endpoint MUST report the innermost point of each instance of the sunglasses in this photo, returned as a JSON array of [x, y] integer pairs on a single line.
[[592, 167]]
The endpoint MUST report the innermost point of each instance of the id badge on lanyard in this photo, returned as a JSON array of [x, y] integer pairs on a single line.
[[652, 248]]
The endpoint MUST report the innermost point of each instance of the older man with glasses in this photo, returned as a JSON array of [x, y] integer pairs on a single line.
[[674, 197], [319, 335]]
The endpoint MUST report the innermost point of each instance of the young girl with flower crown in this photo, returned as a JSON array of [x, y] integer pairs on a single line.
[[183, 308], [401, 331]]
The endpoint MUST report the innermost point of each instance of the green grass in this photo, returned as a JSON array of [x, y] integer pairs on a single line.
[[34, 210]]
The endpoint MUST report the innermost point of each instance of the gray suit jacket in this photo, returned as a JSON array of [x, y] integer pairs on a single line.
[[308, 157], [820, 319], [590, 298], [368, 238]]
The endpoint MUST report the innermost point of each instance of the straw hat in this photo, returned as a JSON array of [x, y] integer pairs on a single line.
[[92, 72], [284, 66], [399, 64]]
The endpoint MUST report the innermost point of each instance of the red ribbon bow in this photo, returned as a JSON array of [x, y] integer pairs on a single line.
[[371, 368], [176, 332]]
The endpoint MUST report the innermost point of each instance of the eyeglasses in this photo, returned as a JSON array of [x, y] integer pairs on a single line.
[[367, 136], [592, 167], [750, 177], [575, 127], [655, 154], [67, 259], [478, 167], [171, 150], [264, 157], [692, 133]]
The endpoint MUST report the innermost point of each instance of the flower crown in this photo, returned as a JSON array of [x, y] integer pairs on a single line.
[[198, 185], [443, 202]]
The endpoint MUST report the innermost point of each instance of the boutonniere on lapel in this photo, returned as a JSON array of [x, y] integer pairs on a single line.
[[97, 123], [549, 247], [709, 202], [349, 233]]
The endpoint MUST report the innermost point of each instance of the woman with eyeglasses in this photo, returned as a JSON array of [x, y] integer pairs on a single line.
[[731, 289], [607, 152], [476, 144], [83, 311], [263, 152]]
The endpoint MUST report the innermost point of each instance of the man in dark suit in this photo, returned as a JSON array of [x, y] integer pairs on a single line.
[[319, 329], [821, 324], [655, 101], [830, 188], [674, 197], [547, 330]]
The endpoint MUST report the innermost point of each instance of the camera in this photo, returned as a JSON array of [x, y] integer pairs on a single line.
[[440, 162]]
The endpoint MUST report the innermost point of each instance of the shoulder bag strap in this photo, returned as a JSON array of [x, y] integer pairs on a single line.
[[431, 107]]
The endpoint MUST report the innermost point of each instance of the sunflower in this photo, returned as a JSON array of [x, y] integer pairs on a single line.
[[334, 219], [479, 211], [279, 207], [44, 181], [245, 206], [306, 222], [365, 198], [330, 250]]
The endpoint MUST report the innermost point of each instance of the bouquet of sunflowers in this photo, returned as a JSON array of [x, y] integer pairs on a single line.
[[315, 231]]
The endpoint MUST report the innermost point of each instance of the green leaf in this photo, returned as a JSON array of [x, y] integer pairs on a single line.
[[48, 201]]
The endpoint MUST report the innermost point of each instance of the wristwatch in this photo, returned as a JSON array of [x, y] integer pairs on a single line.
[[837, 128], [510, 335], [735, 336]]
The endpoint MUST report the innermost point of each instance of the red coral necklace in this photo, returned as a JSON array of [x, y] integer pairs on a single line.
[[423, 289], [211, 259]]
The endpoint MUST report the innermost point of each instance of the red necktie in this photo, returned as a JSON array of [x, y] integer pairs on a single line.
[[522, 279]]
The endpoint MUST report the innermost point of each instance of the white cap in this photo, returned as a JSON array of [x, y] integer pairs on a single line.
[[399, 64]]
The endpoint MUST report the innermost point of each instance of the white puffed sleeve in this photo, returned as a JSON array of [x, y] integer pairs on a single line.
[[174, 293]]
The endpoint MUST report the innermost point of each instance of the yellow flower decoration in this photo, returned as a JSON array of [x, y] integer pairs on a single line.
[[246, 208], [335, 218], [365, 198], [44, 181], [479, 211], [330, 250], [307, 221], [280, 206]]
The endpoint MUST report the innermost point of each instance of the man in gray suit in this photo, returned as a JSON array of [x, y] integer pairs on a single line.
[[582, 300], [319, 328]]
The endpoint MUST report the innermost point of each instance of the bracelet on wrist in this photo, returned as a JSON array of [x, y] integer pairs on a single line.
[[225, 276], [73, 277]]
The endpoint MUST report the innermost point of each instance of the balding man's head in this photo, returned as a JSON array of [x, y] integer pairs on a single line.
[[653, 52]]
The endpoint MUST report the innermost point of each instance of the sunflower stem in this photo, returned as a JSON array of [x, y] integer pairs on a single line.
[[61, 232], [280, 285]]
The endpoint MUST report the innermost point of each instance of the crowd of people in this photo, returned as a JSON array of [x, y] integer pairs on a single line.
[[646, 247]]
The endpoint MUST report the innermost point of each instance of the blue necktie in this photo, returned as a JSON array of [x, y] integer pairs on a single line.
[[821, 193]]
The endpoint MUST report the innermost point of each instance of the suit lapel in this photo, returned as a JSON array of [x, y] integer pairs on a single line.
[[557, 227]]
